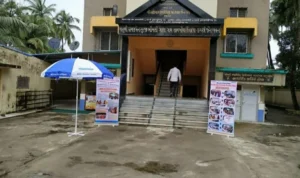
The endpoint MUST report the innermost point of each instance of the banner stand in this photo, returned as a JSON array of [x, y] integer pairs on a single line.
[[107, 102], [222, 102]]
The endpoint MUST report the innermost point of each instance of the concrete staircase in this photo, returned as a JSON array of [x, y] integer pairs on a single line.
[[164, 87], [165, 112]]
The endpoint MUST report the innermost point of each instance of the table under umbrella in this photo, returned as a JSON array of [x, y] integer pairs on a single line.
[[77, 69]]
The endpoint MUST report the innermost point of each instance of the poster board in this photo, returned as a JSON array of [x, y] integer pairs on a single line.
[[90, 102], [107, 99], [222, 103]]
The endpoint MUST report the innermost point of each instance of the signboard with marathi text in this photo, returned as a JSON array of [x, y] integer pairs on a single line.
[[107, 96], [222, 103], [170, 18], [170, 30], [244, 77]]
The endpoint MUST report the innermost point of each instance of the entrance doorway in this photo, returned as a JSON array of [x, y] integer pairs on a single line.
[[167, 59], [190, 91]]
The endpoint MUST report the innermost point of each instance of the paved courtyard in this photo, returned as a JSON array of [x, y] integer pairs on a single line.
[[37, 146]]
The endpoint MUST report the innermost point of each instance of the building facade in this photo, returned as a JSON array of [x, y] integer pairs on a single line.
[[21, 87], [207, 40]]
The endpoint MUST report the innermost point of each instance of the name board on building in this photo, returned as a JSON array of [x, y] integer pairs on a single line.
[[168, 9], [169, 30], [178, 21], [244, 77]]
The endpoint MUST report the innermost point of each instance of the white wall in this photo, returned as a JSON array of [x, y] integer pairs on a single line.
[[209, 6], [280, 97]]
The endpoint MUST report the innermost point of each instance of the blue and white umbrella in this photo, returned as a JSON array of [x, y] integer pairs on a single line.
[[77, 69]]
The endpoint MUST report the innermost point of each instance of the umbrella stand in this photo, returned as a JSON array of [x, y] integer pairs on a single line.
[[75, 133]]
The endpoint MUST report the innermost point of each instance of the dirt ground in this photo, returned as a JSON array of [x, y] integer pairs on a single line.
[[280, 116], [37, 146]]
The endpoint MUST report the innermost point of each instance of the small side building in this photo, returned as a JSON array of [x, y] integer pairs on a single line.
[[21, 87]]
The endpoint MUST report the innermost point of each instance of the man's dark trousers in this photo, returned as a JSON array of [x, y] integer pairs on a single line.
[[173, 89]]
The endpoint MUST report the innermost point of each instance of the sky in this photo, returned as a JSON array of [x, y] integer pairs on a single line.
[[75, 8]]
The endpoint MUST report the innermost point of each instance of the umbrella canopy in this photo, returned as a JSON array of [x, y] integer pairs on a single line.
[[76, 69]]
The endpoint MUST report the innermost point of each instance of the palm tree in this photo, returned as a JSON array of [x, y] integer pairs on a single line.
[[39, 8], [36, 34], [65, 23], [9, 20]]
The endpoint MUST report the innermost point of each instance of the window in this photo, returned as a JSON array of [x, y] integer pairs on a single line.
[[238, 12], [109, 41], [22, 82], [236, 43], [107, 11]]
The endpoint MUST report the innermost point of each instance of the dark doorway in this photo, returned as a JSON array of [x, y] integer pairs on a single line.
[[190, 91], [170, 58]]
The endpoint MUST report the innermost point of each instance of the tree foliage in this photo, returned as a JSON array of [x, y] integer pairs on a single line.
[[29, 27], [286, 14]]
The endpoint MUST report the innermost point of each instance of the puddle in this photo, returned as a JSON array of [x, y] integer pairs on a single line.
[[156, 168], [130, 140], [122, 129], [103, 163], [45, 134], [41, 175], [104, 152], [3, 172], [62, 126], [59, 118], [74, 160], [162, 138], [103, 147]]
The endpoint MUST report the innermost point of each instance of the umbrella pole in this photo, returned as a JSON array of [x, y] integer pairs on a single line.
[[76, 115], [76, 106]]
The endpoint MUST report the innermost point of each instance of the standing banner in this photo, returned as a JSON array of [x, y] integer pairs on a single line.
[[222, 107], [107, 107]]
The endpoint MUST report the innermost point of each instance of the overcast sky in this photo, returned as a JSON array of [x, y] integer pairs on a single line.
[[75, 7]]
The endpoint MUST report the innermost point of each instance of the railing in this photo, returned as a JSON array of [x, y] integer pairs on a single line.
[[28, 100], [123, 85], [157, 81], [181, 84]]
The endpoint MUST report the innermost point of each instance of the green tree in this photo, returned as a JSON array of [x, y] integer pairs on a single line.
[[10, 19], [40, 9], [65, 24], [287, 14]]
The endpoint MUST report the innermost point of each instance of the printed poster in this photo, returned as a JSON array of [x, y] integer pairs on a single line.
[[107, 101], [222, 107], [90, 102]]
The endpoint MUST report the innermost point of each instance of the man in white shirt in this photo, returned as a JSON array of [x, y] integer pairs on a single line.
[[174, 77]]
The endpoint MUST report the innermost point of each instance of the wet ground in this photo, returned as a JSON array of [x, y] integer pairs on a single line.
[[24, 139], [37, 146], [280, 116]]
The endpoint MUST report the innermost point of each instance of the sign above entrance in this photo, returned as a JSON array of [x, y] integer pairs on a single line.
[[191, 21], [167, 9], [244, 77], [169, 30]]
